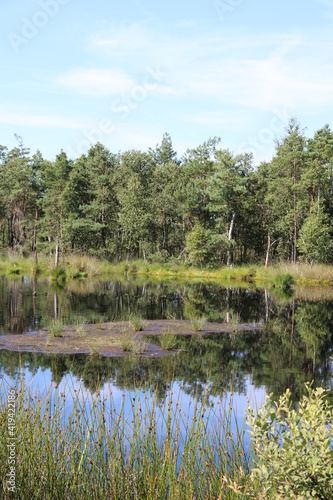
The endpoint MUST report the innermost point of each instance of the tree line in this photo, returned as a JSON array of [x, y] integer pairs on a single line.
[[209, 207]]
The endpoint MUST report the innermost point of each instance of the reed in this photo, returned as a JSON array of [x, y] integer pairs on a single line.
[[71, 447], [168, 340], [56, 328], [79, 267], [198, 323]]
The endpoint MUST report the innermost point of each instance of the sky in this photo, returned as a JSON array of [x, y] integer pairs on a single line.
[[74, 72]]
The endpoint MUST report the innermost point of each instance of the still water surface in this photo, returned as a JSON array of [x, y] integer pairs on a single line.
[[294, 345]]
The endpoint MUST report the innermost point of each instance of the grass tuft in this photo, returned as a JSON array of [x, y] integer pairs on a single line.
[[168, 340], [136, 323], [198, 323], [56, 328]]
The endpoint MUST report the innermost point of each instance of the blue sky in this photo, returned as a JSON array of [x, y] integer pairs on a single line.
[[75, 71]]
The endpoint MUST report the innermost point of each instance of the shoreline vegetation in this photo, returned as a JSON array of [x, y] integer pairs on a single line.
[[74, 446], [79, 267]]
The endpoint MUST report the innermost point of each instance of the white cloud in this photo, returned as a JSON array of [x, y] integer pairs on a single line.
[[32, 120], [260, 72], [105, 83], [217, 118], [96, 82], [124, 38]]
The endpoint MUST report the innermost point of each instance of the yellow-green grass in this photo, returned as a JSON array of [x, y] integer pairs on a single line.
[[78, 267]]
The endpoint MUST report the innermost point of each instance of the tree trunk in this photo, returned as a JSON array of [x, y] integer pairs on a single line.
[[56, 262], [34, 244], [268, 248], [229, 259], [295, 216]]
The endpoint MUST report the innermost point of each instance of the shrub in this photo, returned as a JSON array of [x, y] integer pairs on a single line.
[[293, 455], [58, 275], [285, 281]]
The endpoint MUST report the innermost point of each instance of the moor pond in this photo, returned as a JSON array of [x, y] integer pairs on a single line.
[[289, 343]]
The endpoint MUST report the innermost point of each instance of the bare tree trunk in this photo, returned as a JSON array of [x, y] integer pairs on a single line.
[[35, 235], [268, 248], [295, 216], [56, 262], [230, 237], [56, 305]]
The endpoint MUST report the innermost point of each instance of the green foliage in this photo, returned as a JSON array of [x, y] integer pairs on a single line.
[[138, 346], [197, 244], [211, 207], [58, 275], [293, 448], [316, 237], [126, 341], [76, 451], [285, 281]]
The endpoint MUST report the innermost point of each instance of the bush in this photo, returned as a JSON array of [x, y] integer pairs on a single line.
[[58, 275], [285, 281], [293, 455]]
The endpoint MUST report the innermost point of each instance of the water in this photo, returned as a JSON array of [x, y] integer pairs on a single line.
[[293, 347]]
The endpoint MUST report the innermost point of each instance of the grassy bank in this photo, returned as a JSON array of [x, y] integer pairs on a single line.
[[75, 267], [70, 446]]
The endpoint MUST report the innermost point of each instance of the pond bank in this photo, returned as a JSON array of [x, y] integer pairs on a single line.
[[81, 267]]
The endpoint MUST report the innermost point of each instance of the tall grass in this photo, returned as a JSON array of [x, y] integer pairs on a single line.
[[68, 447], [79, 267]]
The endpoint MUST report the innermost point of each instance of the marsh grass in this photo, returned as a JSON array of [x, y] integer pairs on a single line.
[[138, 346], [168, 340], [198, 323], [56, 328], [136, 323], [71, 447], [80, 326], [126, 340], [79, 267]]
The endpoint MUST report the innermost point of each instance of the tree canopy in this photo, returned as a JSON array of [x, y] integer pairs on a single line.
[[209, 207]]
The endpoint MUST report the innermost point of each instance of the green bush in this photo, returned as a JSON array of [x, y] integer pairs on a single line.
[[293, 455], [58, 275], [285, 281]]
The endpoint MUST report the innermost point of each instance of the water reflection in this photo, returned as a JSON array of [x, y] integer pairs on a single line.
[[293, 347]]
